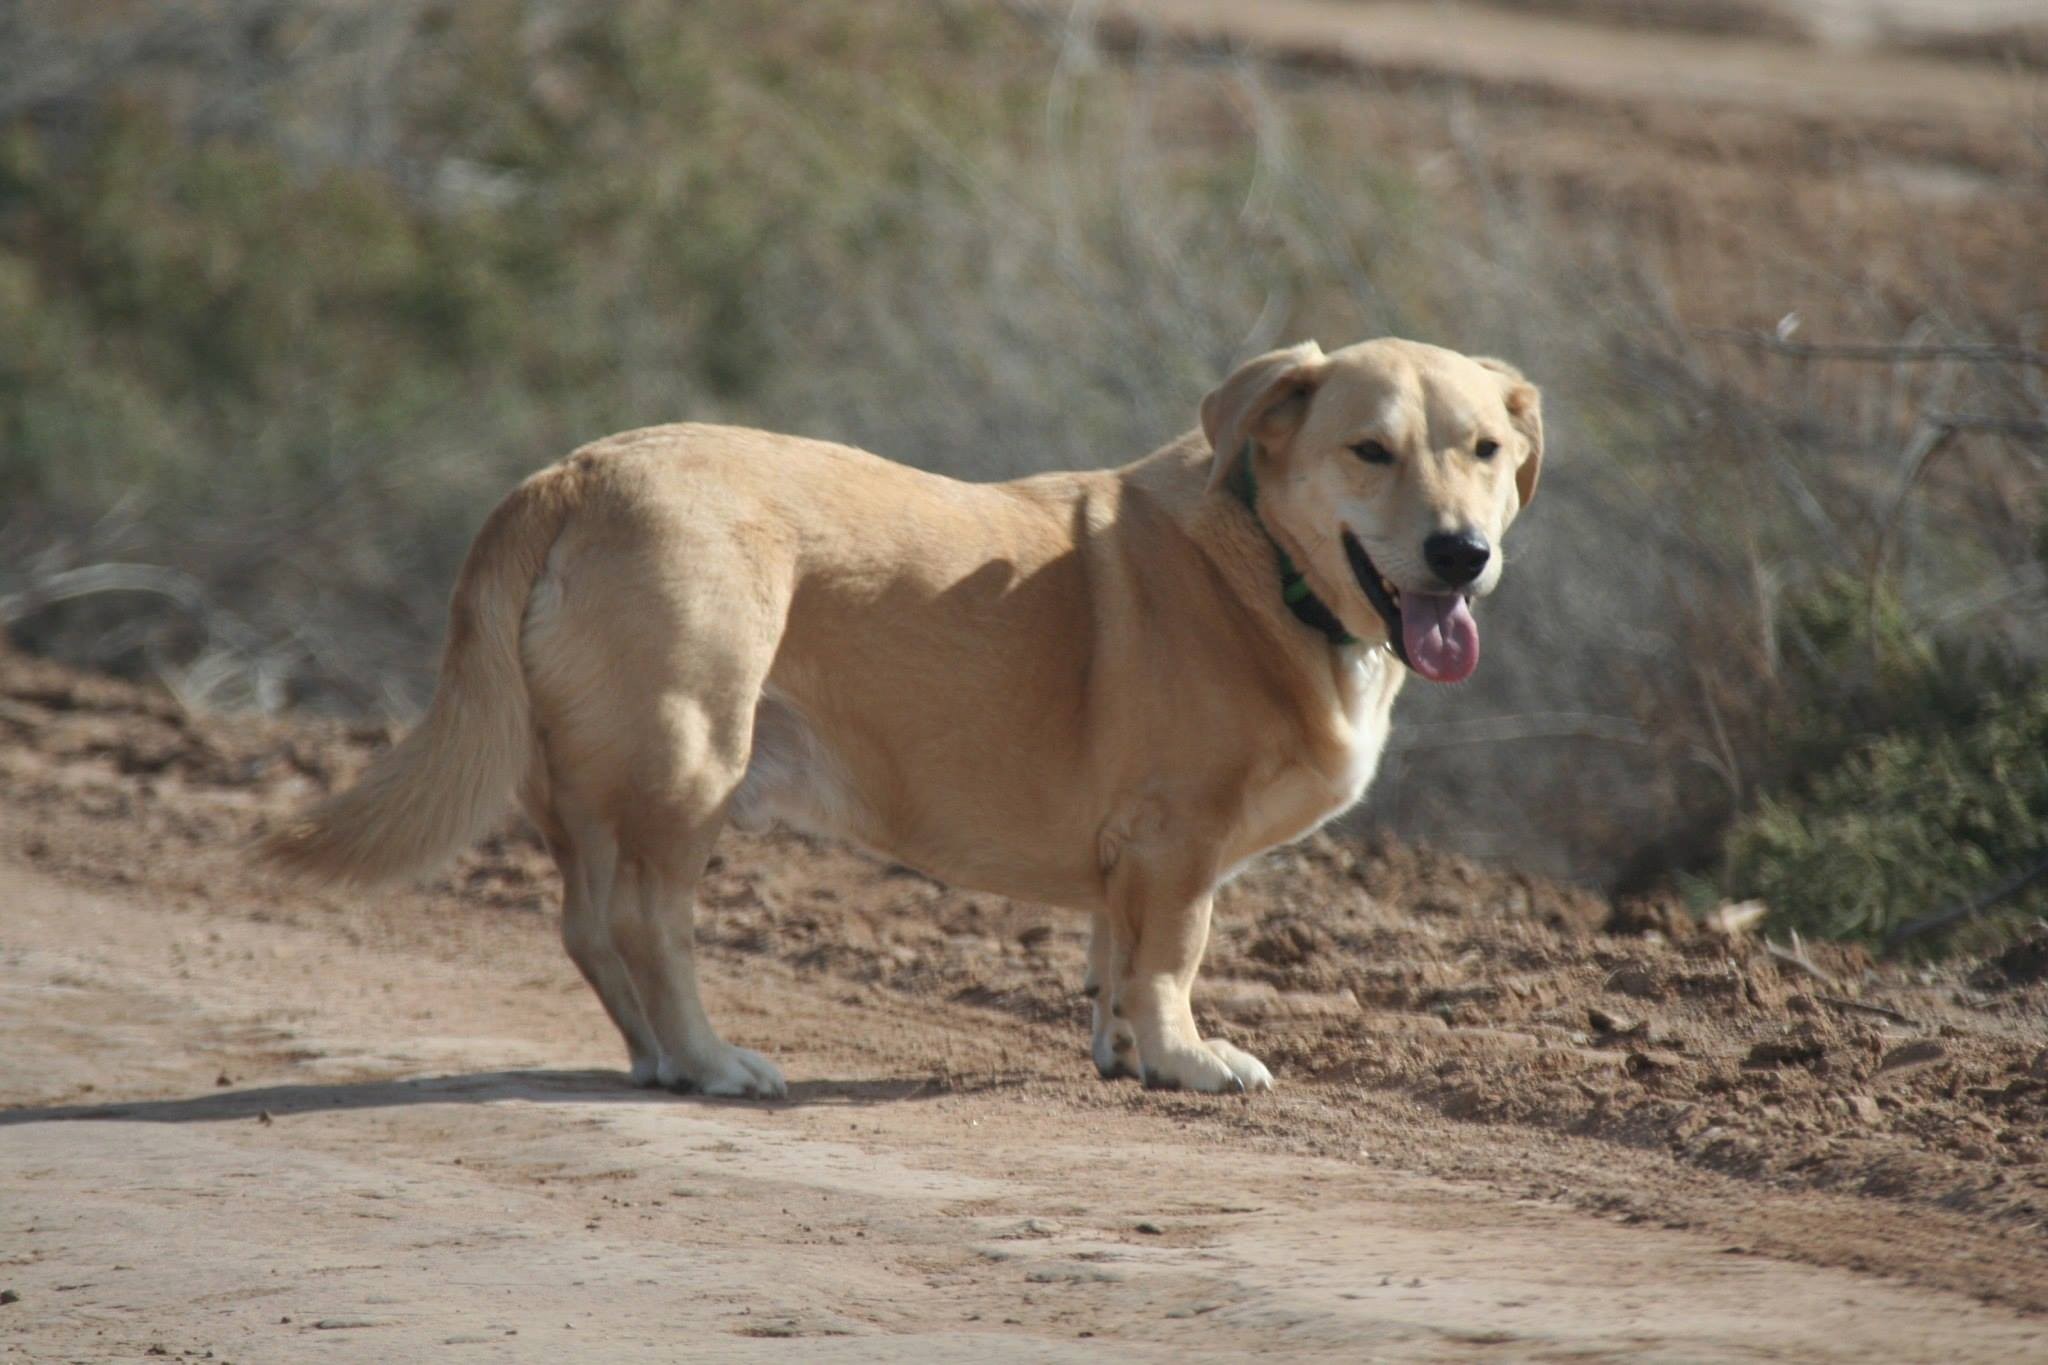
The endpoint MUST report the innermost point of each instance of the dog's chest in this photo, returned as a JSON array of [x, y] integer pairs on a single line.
[[1334, 766]]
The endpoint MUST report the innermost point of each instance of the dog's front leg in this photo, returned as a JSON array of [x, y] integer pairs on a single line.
[[1115, 1044], [1166, 934]]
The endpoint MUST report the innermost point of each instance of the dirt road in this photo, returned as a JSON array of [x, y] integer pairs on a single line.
[[1563, 54], [241, 1120], [445, 1160]]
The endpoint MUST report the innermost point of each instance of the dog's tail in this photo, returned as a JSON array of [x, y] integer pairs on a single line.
[[442, 785]]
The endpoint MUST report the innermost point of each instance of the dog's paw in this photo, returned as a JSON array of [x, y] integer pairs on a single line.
[[1251, 1073], [727, 1070], [1213, 1067], [1116, 1051], [645, 1071]]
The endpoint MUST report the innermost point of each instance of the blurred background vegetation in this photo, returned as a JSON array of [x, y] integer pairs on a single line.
[[292, 290]]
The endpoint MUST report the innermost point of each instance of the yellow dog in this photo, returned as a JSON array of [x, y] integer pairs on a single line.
[[1103, 690]]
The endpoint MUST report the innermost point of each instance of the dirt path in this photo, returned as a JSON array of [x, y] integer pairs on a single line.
[[446, 1160], [1585, 60], [239, 1120]]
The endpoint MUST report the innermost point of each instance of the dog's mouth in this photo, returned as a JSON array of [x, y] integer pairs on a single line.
[[1431, 632]]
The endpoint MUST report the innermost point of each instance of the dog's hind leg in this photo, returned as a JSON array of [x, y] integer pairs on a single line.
[[692, 756], [586, 856], [588, 869], [1115, 1045]]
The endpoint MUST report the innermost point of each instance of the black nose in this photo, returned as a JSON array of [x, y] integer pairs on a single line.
[[1457, 558]]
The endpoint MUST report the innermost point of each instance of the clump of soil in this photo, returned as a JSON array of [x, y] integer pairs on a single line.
[[2024, 963]]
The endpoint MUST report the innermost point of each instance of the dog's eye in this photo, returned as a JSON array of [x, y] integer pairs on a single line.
[[1486, 450], [1372, 452]]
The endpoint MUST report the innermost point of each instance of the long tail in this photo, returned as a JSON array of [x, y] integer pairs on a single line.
[[443, 785]]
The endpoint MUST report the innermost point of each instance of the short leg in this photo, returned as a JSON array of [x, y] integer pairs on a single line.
[[644, 681], [1115, 1045], [1172, 1054], [653, 926], [586, 887]]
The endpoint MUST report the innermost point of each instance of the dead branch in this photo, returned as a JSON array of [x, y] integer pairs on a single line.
[[1862, 1007], [1977, 352], [1970, 909], [1795, 956], [2002, 426]]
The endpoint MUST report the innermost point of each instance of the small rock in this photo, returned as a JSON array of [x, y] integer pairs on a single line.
[[263, 1117], [1785, 1052], [1241, 1000], [1618, 1025], [1912, 1054], [1650, 1061], [1314, 1005], [1035, 937], [1636, 981], [223, 1079], [9, 1296], [1288, 942], [1073, 1274], [1736, 917], [1464, 1102], [1150, 1229], [1038, 1227], [347, 1324], [1863, 1108]]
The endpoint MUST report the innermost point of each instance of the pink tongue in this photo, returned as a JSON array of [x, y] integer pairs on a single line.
[[1441, 637]]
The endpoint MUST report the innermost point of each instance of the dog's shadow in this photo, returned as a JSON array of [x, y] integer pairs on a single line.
[[485, 1087]]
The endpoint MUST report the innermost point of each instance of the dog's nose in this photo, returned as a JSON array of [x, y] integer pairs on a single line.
[[1457, 557]]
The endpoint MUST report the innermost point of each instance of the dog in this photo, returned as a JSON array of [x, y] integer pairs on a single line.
[[1105, 690]]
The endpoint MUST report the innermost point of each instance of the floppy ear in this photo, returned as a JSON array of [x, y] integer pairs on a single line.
[[1525, 410], [1264, 400]]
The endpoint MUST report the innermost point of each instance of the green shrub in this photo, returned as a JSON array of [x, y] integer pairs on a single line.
[[1918, 778]]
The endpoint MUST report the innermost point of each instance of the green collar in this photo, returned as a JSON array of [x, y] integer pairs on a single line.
[[1300, 598]]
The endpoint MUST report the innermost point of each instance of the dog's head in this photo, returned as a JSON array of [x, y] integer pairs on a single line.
[[1389, 469]]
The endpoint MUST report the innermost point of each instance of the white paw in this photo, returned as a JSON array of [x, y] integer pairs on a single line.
[[1251, 1073], [645, 1071], [1212, 1066], [726, 1070], [1115, 1048]]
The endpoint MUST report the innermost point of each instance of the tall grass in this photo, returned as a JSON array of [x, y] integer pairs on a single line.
[[293, 291]]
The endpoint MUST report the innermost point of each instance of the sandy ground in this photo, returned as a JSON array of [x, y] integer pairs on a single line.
[[1514, 1123]]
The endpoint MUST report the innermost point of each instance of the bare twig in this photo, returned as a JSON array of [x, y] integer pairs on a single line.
[[94, 579], [1930, 437], [2003, 426], [1862, 1007], [1982, 352], [1795, 956], [1970, 909]]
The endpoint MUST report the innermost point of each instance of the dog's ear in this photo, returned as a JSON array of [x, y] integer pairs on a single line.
[[1525, 410], [1264, 400]]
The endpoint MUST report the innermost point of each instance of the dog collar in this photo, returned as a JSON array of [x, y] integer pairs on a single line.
[[1300, 598]]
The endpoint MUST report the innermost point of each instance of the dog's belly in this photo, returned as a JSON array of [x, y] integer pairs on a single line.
[[794, 777], [797, 780]]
